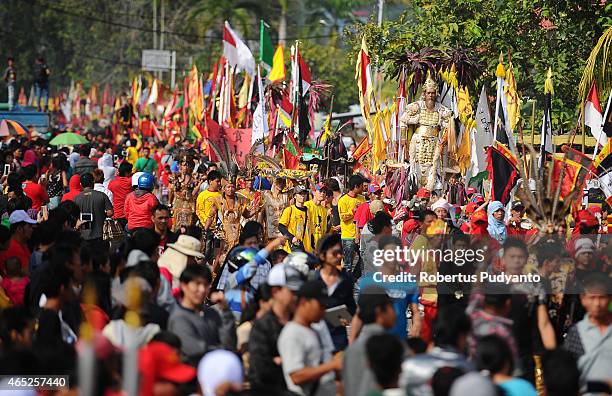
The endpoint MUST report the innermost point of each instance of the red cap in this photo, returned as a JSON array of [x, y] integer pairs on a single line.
[[470, 190], [480, 215], [409, 226], [587, 218], [423, 193], [471, 208], [159, 361]]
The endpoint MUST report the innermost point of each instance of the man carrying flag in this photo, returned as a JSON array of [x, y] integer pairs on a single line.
[[502, 166]]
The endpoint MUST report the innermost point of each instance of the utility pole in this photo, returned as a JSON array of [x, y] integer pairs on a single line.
[[161, 33], [381, 4], [154, 24]]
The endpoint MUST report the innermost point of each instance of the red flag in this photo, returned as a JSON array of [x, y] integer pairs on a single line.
[[304, 73], [501, 164], [291, 153], [185, 101], [362, 148], [571, 170]]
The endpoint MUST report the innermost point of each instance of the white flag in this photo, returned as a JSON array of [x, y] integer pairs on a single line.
[[593, 116], [546, 133], [236, 52], [482, 136], [153, 95], [260, 122]]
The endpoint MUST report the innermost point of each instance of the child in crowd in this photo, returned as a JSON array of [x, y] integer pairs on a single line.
[[14, 283]]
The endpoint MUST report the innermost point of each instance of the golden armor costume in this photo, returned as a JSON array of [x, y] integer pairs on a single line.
[[425, 148]]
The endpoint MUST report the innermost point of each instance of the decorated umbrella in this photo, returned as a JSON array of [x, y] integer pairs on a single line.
[[12, 128], [68, 139]]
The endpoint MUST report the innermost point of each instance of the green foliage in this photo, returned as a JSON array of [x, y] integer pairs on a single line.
[[535, 34]]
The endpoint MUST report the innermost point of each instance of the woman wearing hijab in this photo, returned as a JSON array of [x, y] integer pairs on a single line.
[[497, 227]]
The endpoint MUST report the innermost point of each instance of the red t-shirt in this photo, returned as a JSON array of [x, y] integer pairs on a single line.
[[363, 215], [36, 192], [15, 289], [120, 186], [16, 249]]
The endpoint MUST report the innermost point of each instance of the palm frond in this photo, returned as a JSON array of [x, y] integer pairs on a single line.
[[319, 92], [598, 67], [418, 64], [466, 65]]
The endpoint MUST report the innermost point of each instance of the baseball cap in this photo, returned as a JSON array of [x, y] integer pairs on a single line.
[[158, 360], [320, 187], [423, 193], [300, 190], [480, 215], [314, 290], [374, 188], [470, 190], [587, 218], [20, 216], [284, 275], [518, 205]]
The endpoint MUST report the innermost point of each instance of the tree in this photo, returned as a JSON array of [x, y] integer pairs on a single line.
[[536, 35]]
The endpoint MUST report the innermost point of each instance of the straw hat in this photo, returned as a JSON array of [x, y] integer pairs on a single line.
[[175, 257]]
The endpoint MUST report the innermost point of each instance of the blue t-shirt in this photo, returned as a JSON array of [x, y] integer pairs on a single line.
[[517, 387], [402, 293]]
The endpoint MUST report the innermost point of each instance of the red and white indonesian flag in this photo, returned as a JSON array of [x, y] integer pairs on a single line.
[[304, 72], [593, 116], [236, 52]]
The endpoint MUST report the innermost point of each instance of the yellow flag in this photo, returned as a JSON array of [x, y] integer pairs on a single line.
[[464, 105], [463, 156], [512, 97], [243, 95], [379, 147], [278, 66], [326, 130]]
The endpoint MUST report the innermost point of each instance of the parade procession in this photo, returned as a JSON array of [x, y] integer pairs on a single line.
[[323, 197]]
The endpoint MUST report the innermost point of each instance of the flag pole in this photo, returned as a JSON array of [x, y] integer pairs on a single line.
[[583, 130]]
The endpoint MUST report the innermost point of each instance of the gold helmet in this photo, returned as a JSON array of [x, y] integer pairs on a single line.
[[430, 84]]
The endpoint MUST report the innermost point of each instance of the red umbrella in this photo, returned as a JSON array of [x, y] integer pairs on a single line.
[[12, 128]]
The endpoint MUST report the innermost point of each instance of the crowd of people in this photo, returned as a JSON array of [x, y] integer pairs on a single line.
[[255, 284]]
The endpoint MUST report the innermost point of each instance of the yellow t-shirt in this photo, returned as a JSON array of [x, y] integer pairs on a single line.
[[317, 225], [295, 221], [132, 155], [205, 203], [347, 206]]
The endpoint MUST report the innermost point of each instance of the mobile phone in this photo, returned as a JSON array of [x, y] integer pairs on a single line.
[[86, 216], [124, 153], [45, 211], [7, 169], [115, 158]]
